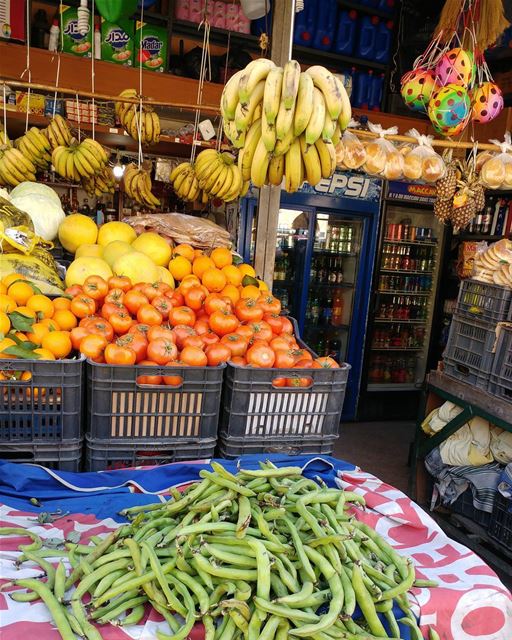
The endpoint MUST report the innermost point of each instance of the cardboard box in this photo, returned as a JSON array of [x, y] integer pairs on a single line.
[[72, 41], [117, 41], [151, 45], [82, 112], [12, 20], [33, 103]]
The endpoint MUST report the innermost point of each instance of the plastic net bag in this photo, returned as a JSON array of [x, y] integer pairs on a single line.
[[382, 157], [354, 154], [422, 163], [496, 171]]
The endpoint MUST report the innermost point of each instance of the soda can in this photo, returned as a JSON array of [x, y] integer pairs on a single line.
[[399, 232], [412, 234], [391, 231]]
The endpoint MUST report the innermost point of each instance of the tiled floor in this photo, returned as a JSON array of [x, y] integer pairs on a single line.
[[381, 448]]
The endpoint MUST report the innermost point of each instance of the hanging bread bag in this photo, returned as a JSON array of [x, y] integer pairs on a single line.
[[422, 163]]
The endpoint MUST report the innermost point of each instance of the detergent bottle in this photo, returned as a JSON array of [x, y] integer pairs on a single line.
[[325, 24], [361, 89], [367, 36], [376, 93], [388, 6], [305, 23], [345, 36], [383, 41]]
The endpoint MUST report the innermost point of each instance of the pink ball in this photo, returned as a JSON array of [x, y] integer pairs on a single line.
[[456, 66], [487, 102]]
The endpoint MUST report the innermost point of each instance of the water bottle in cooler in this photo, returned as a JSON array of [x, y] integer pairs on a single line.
[[383, 39], [325, 25], [305, 21], [346, 33], [367, 35], [376, 92]]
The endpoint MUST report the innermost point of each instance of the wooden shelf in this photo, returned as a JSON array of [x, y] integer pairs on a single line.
[[217, 36]]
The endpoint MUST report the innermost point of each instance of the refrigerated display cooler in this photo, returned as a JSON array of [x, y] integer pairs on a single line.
[[403, 302], [325, 252]]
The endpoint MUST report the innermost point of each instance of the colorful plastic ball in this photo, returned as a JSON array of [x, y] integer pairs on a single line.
[[449, 109], [417, 87], [456, 66], [487, 102]]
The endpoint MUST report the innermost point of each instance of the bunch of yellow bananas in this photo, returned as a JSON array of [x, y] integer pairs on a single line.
[[286, 123], [218, 175], [15, 167], [58, 132], [185, 183], [35, 146], [137, 186], [145, 126], [101, 183], [83, 160]]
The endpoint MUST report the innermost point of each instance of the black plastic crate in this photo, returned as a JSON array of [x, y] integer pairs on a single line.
[[64, 457], [483, 301], [465, 507], [103, 456], [230, 448], [500, 527], [469, 352], [45, 409], [120, 410], [256, 415], [500, 382]]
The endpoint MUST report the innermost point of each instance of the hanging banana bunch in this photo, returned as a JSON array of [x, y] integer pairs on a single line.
[[100, 184], [133, 122], [35, 146], [137, 186], [58, 132], [83, 160], [15, 167]]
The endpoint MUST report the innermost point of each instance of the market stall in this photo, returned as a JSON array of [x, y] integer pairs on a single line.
[[469, 600]]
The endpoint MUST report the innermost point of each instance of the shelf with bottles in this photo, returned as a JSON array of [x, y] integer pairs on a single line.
[[421, 243], [395, 321], [493, 222], [327, 270], [403, 307], [404, 271], [328, 285], [406, 284], [328, 252], [325, 311], [390, 386], [396, 349], [398, 292], [401, 258], [386, 370], [400, 337], [333, 347]]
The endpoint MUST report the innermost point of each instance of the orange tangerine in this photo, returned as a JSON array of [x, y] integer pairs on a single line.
[[39, 330], [262, 285], [247, 270], [200, 265], [58, 343], [188, 282], [180, 267], [231, 292], [12, 277], [61, 303], [184, 250], [7, 304], [44, 354], [21, 336], [233, 274], [65, 319], [198, 252], [3, 288], [250, 291], [20, 292], [214, 280], [222, 257], [5, 323], [5, 343], [26, 311], [50, 323], [41, 305]]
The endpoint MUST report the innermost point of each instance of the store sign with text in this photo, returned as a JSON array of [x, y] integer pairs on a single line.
[[407, 192], [346, 185]]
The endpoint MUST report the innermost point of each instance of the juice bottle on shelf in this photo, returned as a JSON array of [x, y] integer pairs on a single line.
[[337, 308], [325, 29], [346, 33], [367, 36]]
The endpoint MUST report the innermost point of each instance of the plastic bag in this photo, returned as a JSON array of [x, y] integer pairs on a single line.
[[493, 263], [354, 154], [422, 163], [11, 216], [496, 172], [382, 157], [180, 228]]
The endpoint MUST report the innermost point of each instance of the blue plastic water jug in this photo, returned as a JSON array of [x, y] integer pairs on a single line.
[[376, 93], [361, 90], [305, 22], [388, 6], [345, 37], [325, 25], [367, 35], [369, 3], [383, 41]]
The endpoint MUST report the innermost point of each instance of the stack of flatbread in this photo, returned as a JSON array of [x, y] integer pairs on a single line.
[[494, 264]]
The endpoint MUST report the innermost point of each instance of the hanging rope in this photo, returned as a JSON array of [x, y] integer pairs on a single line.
[[27, 67], [93, 79], [220, 128], [140, 159], [205, 61], [5, 116], [78, 117]]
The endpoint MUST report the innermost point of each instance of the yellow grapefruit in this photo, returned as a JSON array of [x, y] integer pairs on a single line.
[[115, 250], [82, 268], [164, 275], [76, 230], [137, 266], [116, 231], [89, 251], [154, 246]]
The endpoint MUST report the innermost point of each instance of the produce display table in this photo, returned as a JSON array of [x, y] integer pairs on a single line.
[[470, 602], [474, 402]]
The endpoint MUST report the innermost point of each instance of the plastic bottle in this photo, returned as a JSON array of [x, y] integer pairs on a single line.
[[376, 93], [305, 21], [346, 33], [97, 40], [39, 29], [367, 35], [388, 6], [383, 40], [53, 43], [361, 93], [325, 25]]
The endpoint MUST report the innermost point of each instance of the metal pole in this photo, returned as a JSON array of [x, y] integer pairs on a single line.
[[283, 16]]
